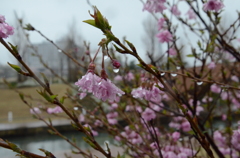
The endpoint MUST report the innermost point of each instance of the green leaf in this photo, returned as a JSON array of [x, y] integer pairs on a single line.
[[131, 46], [89, 142], [15, 67], [90, 22], [46, 96], [190, 55], [62, 100], [21, 96], [118, 49], [14, 48]]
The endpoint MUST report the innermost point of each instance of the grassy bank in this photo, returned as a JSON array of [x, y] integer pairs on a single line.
[[10, 101]]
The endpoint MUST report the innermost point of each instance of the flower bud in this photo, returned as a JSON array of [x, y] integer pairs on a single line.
[[115, 63]]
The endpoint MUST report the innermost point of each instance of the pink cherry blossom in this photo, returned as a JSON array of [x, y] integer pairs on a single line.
[[186, 126], [106, 90], [34, 110], [161, 22], [191, 15], [98, 123], [235, 78], [55, 110], [95, 133], [81, 118], [175, 10], [148, 114], [129, 76], [155, 6], [172, 52], [112, 118], [164, 36], [118, 78], [175, 136], [2, 19], [213, 5], [211, 65], [215, 88], [236, 139], [87, 82], [5, 29]]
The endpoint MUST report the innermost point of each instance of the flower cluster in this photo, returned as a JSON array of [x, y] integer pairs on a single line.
[[213, 5], [5, 29], [155, 6], [100, 87]]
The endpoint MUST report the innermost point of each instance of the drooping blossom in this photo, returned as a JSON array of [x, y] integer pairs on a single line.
[[148, 114], [106, 90], [102, 88], [175, 10], [34, 110], [161, 23], [155, 6], [211, 65], [213, 5], [55, 110], [191, 15], [5, 29], [164, 36]]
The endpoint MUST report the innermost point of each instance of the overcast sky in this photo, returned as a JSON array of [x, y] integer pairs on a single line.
[[53, 18]]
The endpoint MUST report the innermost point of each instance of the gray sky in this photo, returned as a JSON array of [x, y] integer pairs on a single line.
[[53, 17]]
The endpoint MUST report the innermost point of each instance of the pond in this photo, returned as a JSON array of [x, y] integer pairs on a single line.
[[52, 143]]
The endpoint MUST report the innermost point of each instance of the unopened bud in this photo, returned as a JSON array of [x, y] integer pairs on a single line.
[[115, 63], [91, 67]]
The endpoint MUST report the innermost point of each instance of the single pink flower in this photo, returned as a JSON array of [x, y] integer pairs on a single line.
[[35, 110], [98, 123], [191, 15], [175, 136], [111, 117], [5, 30], [186, 126], [175, 10], [118, 78], [164, 36], [211, 65], [148, 114], [106, 90], [215, 88], [236, 140], [81, 118], [161, 22], [55, 110], [213, 5], [87, 82], [172, 52], [234, 78], [129, 76]]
